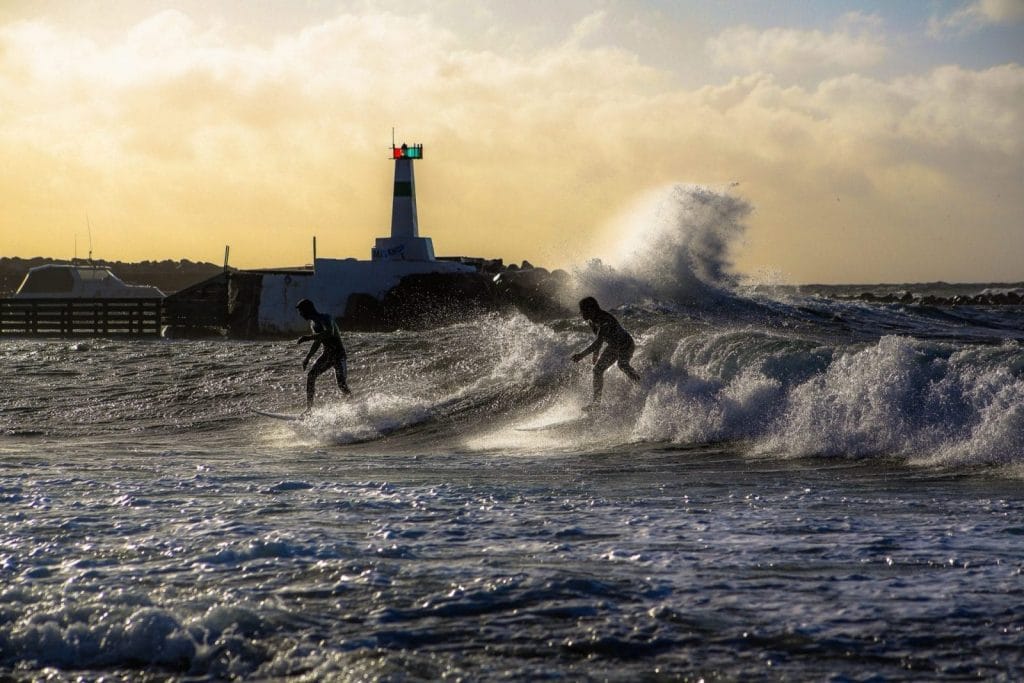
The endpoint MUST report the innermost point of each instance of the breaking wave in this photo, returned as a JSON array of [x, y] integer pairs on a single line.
[[781, 377], [676, 246], [771, 394], [930, 403]]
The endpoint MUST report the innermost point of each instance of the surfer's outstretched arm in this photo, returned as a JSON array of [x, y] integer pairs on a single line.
[[316, 337], [312, 350], [576, 357], [594, 348]]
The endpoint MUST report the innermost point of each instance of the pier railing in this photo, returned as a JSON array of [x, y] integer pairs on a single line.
[[81, 317]]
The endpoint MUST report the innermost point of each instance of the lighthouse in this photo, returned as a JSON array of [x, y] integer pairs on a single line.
[[333, 282], [405, 243]]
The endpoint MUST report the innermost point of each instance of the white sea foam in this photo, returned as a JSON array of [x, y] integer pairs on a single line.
[[896, 396], [495, 360], [790, 396]]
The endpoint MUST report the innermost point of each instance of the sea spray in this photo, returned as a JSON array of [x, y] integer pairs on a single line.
[[675, 246], [687, 242], [475, 369]]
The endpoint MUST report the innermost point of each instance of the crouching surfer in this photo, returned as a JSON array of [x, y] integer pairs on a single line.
[[619, 350], [325, 333]]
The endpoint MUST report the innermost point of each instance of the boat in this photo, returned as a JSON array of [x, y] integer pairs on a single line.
[[80, 281]]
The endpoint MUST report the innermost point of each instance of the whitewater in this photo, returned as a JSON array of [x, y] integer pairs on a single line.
[[801, 487]]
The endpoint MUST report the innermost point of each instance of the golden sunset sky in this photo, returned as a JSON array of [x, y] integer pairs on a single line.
[[876, 141]]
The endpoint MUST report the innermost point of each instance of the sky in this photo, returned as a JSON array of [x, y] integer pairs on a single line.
[[876, 141]]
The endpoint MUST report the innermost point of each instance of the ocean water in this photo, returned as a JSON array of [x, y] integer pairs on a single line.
[[801, 488]]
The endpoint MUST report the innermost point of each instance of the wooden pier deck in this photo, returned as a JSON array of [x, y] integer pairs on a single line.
[[81, 317]]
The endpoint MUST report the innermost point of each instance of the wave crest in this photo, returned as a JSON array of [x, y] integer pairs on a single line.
[[925, 401], [676, 247]]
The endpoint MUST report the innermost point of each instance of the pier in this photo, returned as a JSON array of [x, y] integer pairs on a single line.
[[81, 317]]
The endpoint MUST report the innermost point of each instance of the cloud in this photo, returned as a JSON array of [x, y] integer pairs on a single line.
[[976, 15], [177, 138], [588, 26], [785, 51], [925, 166], [173, 124]]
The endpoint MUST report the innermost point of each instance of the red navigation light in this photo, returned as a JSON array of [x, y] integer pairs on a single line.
[[407, 152]]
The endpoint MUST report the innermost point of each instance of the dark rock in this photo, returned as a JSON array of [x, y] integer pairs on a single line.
[[492, 267], [536, 292], [434, 299], [365, 313], [430, 300]]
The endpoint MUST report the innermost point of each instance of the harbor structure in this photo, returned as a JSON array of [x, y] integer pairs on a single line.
[[402, 285], [331, 283]]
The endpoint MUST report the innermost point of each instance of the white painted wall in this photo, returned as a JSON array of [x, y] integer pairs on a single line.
[[330, 286]]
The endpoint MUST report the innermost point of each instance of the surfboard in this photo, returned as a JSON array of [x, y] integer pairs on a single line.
[[280, 416], [578, 420]]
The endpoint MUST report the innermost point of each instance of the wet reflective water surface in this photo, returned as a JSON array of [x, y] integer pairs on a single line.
[[153, 526]]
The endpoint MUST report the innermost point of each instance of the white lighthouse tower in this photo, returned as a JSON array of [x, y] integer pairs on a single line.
[[405, 243]]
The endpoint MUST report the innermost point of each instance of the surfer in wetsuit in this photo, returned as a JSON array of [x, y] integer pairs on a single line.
[[609, 331], [326, 334]]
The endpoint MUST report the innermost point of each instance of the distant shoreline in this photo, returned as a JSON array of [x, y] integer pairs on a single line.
[[171, 276]]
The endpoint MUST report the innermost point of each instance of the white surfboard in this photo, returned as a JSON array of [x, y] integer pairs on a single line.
[[578, 420], [280, 416]]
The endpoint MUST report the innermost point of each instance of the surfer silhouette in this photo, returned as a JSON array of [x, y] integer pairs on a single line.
[[324, 333], [619, 350]]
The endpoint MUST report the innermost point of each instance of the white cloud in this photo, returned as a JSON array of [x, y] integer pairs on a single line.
[[783, 51], [976, 15], [854, 20], [228, 137], [588, 26], [1003, 10]]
